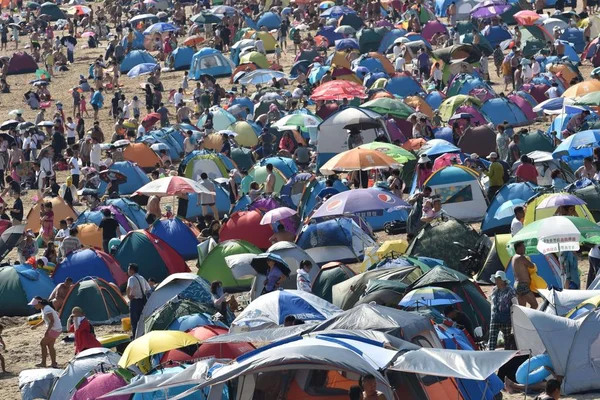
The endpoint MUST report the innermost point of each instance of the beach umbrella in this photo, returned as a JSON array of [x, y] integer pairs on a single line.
[[205, 18], [345, 30], [359, 201], [507, 209], [224, 10], [590, 99], [32, 5], [143, 17], [557, 234], [490, 8], [293, 121], [45, 124], [346, 44], [160, 27], [11, 238], [15, 112], [10, 124], [337, 11], [142, 69], [259, 263], [79, 10], [156, 342], [261, 76], [398, 153], [394, 107], [582, 88], [553, 106], [338, 90], [277, 214], [526, 17], [560, 200], [430, 296], [25, 125], [121, 143], [578, 144], [358, 159], [194, 40], [171, 186]]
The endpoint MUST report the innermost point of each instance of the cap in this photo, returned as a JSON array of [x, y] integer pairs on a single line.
[[493, 154], [474, 156], [33, 302]]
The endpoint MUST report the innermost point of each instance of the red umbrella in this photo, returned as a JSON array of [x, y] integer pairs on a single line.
[[338, 90], [217, 350], [526, 17], [150, 119]]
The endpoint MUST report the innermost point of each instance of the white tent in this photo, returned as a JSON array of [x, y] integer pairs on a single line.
[[545, 165], [36, 383], [573, 345], [560, 302]]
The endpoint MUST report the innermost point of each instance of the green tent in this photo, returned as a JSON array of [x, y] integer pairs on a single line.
[[18, 285], [175, 308], [464, 27], [368, 40], [213, 266], [474, 305], [535, 140], [52, 11], [101, 302], [242, 157], [484, 45], [330, 275]]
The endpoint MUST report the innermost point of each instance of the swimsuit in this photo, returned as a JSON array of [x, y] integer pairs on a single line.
[[522, 288]]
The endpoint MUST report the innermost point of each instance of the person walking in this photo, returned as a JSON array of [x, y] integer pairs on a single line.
[[51, 319], [109, 227], [137, 289]]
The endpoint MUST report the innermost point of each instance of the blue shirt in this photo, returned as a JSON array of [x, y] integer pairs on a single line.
[[97, 99], [272, 278]]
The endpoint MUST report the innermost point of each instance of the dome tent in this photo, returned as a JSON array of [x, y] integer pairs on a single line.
[[269, 20], [21, 63], [153, 255], [18, 285], [137, 43], [52, 11], [181, 58], [136, 178], [134, 58], [177, 234], [102, 302], [330, 275], [245, 225], [132, 210], [82, 263], [211, 62], [61, 211]]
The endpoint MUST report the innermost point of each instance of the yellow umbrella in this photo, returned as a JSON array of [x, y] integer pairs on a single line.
[[155, 342], [582, 88]]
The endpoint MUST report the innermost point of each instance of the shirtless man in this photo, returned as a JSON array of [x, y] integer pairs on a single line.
[[282, 235], [270, 182], [370, 392], [521, 265], [58, 295]]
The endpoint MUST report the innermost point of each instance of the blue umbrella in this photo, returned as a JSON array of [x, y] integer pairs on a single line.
[[438, 146], [160, 27], [430, 296], [142, 69], [346, 44], [337, 11], [579, 144], [260, 76], [507, 209], [205, 18], [555, 104]]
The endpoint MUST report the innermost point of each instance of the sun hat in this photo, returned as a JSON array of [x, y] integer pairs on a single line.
[[499, 274], [423, 159]]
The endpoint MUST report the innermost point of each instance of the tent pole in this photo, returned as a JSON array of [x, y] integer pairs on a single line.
[[487, 383]]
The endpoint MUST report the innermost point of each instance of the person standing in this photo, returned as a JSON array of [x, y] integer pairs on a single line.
[[517, 222], [514, 152], [137, 288], [502, 298], [270, 181], [51, 319], [502, 142], [109, 227], [521, 265], [208, 199], [495, 173], [84, 333], [95, 154], [60, 292], [97, 101], [303, 282]]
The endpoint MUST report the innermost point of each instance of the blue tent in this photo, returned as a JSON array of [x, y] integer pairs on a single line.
[[287, 166], [18, 285], [138, 41], [270, 20], [371, 63], [292, 191], [317, 72], [403, 86], [435, 99], [174, 149], [95, 217], [244, 102], [136, 178], [131, 210], [346, 44], [309, 198], [177, 234], [500, 109], [328, 32], [574, 36], [465, 83], [300, 67], [223, 203], [134, 58], [211, 62], [187, 322], [388, 40], [444, 133], [547, 268], [497, 34], [182, 58], [88, 263], [571, 51], [337, 11], [371, 78], [512, 191]]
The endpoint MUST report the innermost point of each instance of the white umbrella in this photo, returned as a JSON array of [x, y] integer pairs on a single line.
[[16, 112], [171, 186], [159, 147], [345, 29]]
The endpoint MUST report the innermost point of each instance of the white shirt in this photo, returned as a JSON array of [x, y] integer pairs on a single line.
[[138, 286], [141, 131], [399, 64], [437, 74], [527, 72], [303, 281], [75, 169], [46, 169], [535, 68], [552, 93], [56, 325], [95, 154], [177, 98], [260, 46], [297, 93], [26, 143], [70, 129], [126, 112], [515, 226], [397, 50]]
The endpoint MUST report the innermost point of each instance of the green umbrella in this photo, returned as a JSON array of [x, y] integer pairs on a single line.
[[396, 152], [449, 106], [590, 99], [32, 5], [205, 18], [386, 105], [556, 234], [292, 121]]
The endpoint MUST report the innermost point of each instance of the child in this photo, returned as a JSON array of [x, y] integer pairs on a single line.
[[2, 364], [184, 83], [277, 53], [168, 212], [83, 107]]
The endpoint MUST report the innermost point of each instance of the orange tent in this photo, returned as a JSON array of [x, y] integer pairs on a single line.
[[321, 41], [89, 235], [419, 104], [387, 64], [563, 72], [414, 144], [382, 94], [142, 155], [61, 211]]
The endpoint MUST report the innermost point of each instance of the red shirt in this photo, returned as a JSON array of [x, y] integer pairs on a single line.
[[527, 173], [84, 338]]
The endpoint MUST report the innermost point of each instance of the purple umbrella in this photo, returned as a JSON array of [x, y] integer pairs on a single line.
[[490, 8], [560, 199], [265, 204], [277, 214], [359, 201]]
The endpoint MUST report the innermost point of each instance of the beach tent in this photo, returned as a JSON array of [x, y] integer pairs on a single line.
[[532, 213], [271, 309], [18, 285], [102, 302], [268, 40], [213, 266], [36, 383], [338, 239], [309, 198], [142, 155], [571, 346], [222, 202], [154, 256], [496, 35], [137, 42], [574, 37], [387, 42], [474, 304], [79, 367], [461, 193], [328, 32], [286, 165], [463, 8], [101, 383], [172, 310], [269, 20], [82, 263], [545, 165], [293, 255], [181, 58], [61, 211], [500, 109], [292, 191], [533, 39], [402, 85], [136, 57], [591, 195], [179, 235], [352, 20], [259, 175], [368, 40], [465, 83], [432, 28], [52, 11], [21, 63], [96, 215], [252, 57], [332, 133], [498, 221], [136, 178], [132, 210], [210, 163], [330, 275], [437, 241], [208, 61], [478, 139], [499, 259], [179, 285], [245, 225], [525, 102]]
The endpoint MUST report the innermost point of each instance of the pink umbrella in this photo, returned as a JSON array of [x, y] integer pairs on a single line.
[[277, 214], [171, 186], [98, 385]]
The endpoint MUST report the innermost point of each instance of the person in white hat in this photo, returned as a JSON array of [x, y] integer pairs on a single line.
[[424, 169], [495, 173], [502, 298], [53, 330]]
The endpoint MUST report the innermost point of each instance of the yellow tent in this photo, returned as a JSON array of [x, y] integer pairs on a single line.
[[268, 40], [533, 214], [340, 59], [246, 134], [256, 58], [61, 211], [419, 104]]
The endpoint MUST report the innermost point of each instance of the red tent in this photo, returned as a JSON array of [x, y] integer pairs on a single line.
[[245, 225]]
